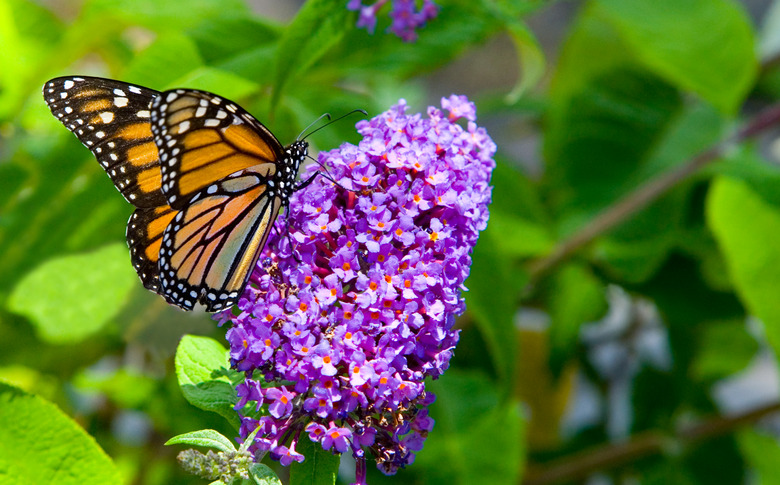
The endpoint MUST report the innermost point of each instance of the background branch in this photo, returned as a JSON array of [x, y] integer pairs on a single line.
[[637, 200], [585, 463]]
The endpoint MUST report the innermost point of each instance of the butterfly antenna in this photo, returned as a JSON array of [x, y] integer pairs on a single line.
[[330, 122], [324, 115]]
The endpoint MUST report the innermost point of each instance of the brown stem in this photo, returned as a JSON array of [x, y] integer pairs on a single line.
[[584, 463], [637, 200]]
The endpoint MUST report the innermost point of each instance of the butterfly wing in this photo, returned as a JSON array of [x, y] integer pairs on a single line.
[[201, 171], [204, 138], [144, 237], [209, 249], [112, 119]]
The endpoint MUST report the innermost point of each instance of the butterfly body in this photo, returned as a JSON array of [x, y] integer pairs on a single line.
[[207, 180]]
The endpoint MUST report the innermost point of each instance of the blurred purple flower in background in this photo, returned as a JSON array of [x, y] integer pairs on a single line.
[[337, 338], [405, 14]]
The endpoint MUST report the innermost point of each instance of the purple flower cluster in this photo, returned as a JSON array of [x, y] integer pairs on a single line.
[[354, 300], [405, 14]]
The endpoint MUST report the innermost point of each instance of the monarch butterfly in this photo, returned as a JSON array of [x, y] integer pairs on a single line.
[[207, 180]]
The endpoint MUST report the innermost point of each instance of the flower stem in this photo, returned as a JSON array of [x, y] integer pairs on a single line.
[[360, 471]]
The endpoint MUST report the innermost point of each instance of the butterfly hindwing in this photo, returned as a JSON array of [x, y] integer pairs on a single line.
[[112, 119], [144, 237], [204, 138], [209, 249]]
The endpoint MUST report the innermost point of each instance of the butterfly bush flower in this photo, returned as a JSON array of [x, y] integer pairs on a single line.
[[354, 300], [405, 14]]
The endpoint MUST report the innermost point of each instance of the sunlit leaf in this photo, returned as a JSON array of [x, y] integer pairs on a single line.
[[720, 72], [40, 444], [319, 468], [207, 438], [71, 297], [746, 229], [204, 377]]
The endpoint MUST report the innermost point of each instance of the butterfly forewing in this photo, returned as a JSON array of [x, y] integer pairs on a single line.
[[211, 246], [112, 119], [204, 138]]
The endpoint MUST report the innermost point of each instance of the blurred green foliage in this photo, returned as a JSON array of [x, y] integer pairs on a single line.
[[650, 316]]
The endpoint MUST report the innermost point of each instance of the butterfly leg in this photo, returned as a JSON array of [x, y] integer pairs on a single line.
[[309, 180]]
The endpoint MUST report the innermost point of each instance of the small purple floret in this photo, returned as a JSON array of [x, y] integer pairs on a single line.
[[354, 300], [404, 13]]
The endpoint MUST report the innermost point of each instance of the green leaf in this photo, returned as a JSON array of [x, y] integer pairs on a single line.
[[262, 475], [226, 37], [684, 296], [575, 297], [319, 468], [479, 437], [746, 229], [318, 26], [164, 16], [40, 444], [747, 164], [604, 136], [692, 53], [606, 116], [170, 57], [460, 25], [762, 452], [28, 34], [208, 438], [725, 349], [636, 249], [530, 58], [125, 386], [494, 289], [518, 223], [70, 298], [204, 376], [519, 237], [227, 84], [515, 194]]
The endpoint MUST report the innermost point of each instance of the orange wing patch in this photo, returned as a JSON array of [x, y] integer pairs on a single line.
[[136, 131], [143, 154], [145, 231], [215, 242], [149, 180], [248, 141], [97, 105], [203, 139]]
